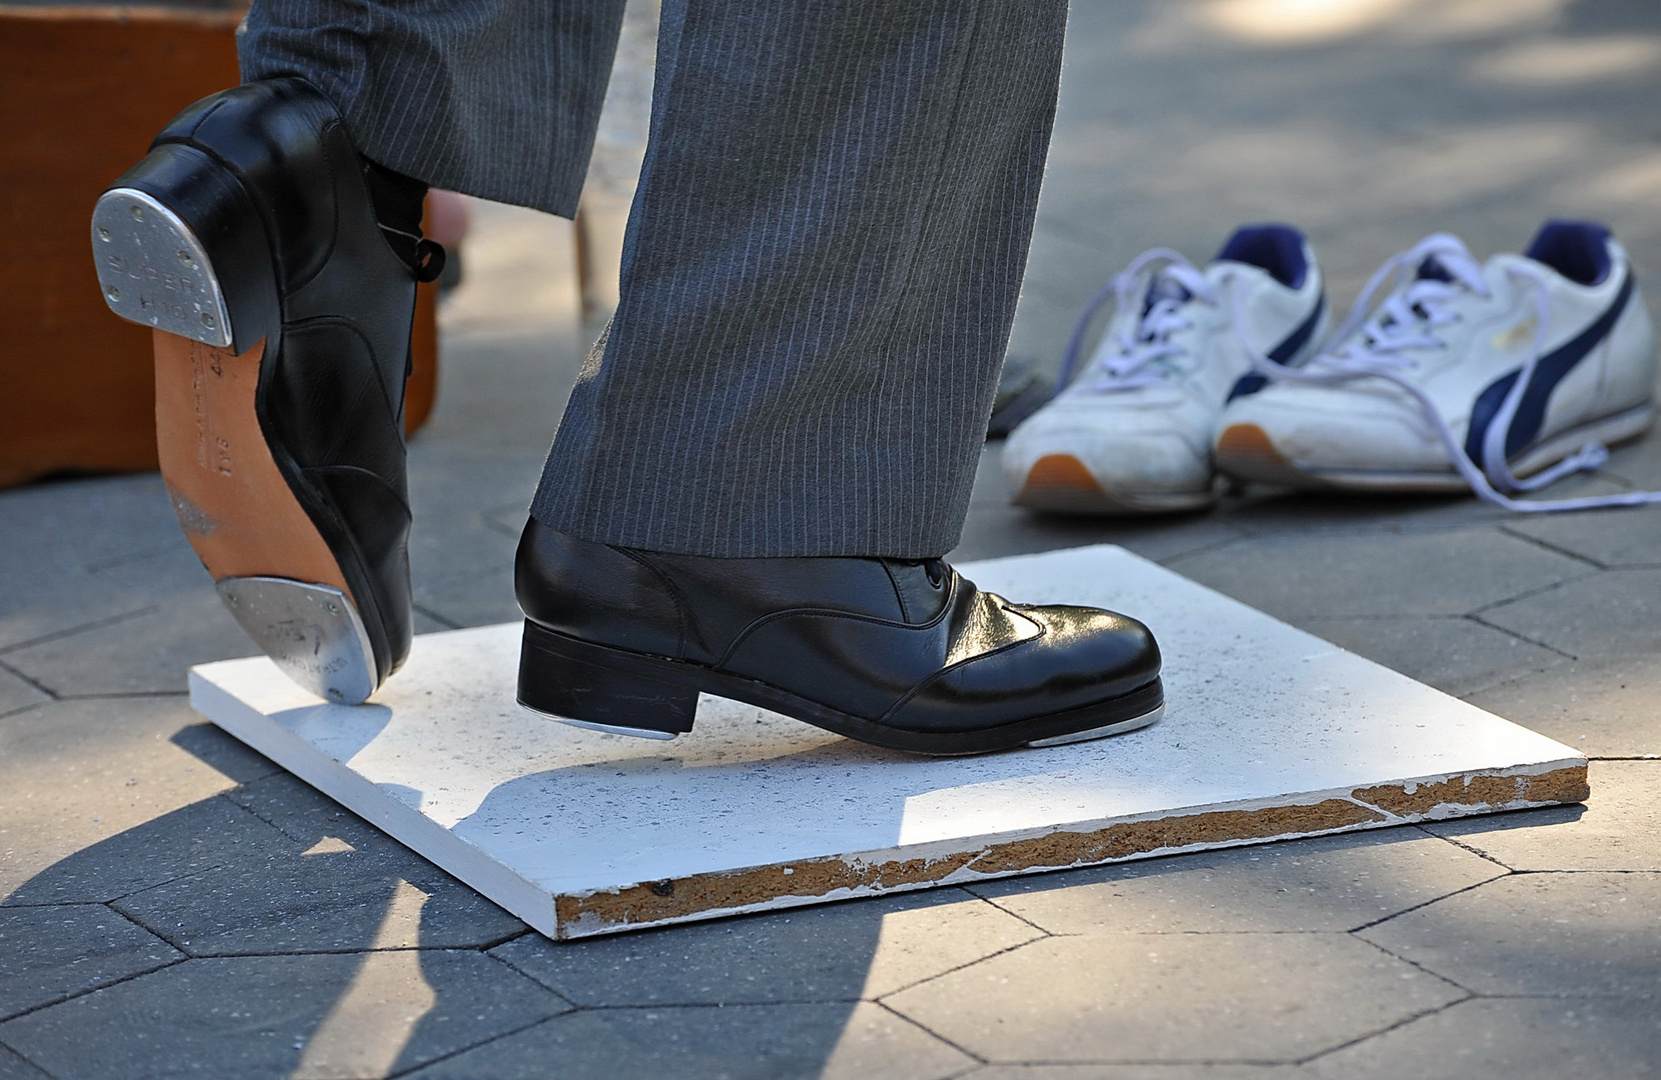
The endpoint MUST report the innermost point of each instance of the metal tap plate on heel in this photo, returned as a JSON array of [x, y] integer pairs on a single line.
[[154, 270], [313, 632], [613, 729]]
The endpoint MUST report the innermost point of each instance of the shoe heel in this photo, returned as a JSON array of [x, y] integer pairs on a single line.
[[180, 246], [594, 686]]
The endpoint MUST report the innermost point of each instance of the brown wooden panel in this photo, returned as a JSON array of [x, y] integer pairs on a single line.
[[82, 92]]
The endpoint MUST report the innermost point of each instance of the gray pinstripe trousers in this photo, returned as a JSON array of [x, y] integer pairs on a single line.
[[822, 260]]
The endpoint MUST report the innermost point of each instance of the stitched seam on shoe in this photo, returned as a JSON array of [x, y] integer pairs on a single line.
[[268, 224], [334, 201], [358, 470], [744, 634], [368, 347], [1043, 632], [200, 120], [741, 635], [675, 596], [899, 593]]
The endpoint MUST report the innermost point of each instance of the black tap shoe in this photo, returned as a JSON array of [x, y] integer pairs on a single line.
[[906, 655], [247, 238]]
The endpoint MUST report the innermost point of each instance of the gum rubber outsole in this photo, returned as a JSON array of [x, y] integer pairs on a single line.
[[1246, 452], [1061, 484]]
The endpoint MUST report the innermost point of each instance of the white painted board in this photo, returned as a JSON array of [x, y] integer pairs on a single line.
[[1269, 732]]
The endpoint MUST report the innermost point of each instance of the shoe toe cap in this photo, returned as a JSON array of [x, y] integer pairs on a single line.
[[1080, 657]]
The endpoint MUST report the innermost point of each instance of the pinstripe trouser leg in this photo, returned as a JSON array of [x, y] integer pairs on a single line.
[[495, 98], [819, 274]]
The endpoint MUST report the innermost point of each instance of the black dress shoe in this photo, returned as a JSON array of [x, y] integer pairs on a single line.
[[907, 655], [248, 239]]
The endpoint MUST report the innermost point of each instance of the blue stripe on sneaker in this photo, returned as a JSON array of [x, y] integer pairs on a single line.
[[1282, 353], [1531, 410]]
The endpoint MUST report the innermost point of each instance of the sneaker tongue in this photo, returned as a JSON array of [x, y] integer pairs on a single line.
[[1165, 287], [1433, 270]]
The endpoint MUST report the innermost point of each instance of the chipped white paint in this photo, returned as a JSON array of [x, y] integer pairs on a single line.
[[1260, 715]]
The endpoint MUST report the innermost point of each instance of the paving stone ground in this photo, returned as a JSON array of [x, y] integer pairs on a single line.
[[172, 904]]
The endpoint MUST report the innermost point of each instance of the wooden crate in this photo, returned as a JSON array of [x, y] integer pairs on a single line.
[[83, 89]]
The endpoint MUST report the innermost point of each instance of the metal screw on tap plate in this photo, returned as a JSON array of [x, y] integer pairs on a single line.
[[207, 320], [103, 234], [114, 293], [137, 212], [184, 257]]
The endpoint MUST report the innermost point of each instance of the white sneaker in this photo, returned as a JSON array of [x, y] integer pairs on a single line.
[[1468, 376], [1133, 433]]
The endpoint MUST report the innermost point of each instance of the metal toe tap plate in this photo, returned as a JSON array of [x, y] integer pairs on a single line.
[[312, 632]]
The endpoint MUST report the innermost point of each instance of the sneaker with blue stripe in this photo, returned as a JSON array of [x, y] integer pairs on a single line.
[[1497, 376], [1132, 431]]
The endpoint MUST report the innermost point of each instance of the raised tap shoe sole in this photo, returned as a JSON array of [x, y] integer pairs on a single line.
[[273, 567], [604, 688]]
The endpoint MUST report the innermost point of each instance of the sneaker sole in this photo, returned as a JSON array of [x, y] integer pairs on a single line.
[[1246, 452], [1061, 484], [272, 567]]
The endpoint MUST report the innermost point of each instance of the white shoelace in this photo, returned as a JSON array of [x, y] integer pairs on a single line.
[[1405, 321], [1132, 365]]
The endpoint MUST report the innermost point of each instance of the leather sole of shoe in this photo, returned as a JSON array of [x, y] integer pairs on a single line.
[[604, 688], [1246, 452], [1061, 484], [272, 567]]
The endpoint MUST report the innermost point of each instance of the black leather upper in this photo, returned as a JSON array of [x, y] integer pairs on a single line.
[[913, 645], [331, 396]]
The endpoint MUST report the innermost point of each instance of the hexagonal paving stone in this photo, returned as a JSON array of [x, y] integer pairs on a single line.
[[1527, 1039], [1619, 828], [15, 693], [841, 952], [49, 953], [1172, 997], [1265, 512], [1600, 705], [304, 814], [75, 775], [1638, 462], [1139, 1072], [1612, 613], [149, 653], [1629, 538], [1350, 574], [53, 534], [332, 896], [339, 1015], [13, 1067], [840, 1041], [1330, 883], [172, 847], [1457, 656], [320, 879], [1549, 934]]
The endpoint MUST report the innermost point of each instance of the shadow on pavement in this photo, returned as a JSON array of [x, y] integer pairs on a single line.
[[267, 932]]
